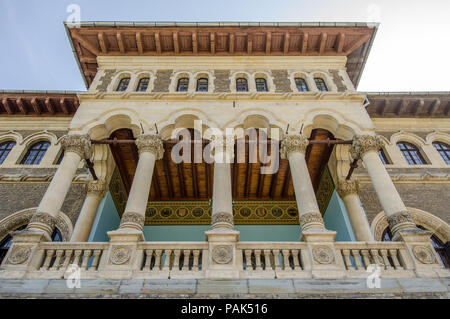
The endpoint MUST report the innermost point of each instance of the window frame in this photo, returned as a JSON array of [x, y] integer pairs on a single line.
[[200, 85], [322, 83], [298, 79], [40, 153], [384, 159], [411, 153], [120, 87], [183, 87], [261, 80], [138, 87], [241, 81], [445, 153], [9, 145]]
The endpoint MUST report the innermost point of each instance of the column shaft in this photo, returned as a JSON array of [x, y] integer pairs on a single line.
[[359, 222]]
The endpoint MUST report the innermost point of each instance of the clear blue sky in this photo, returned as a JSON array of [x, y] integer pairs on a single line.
[[410, 52]]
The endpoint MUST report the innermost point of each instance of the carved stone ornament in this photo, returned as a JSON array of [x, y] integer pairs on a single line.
[[224, 144], [323, 254], [150, 143], [293, 143], [80, 144], [397, 220], [424, 254], [19, 255], [347, 187], [97, 187], [222, 254], [43, 218], [224, 217], [120, 255], [134, 218], [308, 218], [365, 143]]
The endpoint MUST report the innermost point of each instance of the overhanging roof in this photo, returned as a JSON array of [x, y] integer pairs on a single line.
[[92, 39]]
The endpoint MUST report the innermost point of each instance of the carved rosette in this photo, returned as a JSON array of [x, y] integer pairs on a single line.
[[80, 144], [132, 220], [424, 254], [120, 255], [293, 143], [96, 188], [222, 220], [150, 143], [221, 145], [19, 255], [323, 254], [365, 143], [400, 221], [222, 254], [311, 220], [347, 187], [42, 221]]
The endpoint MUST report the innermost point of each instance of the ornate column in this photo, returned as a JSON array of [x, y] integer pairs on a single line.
[[348, 191], [96, 190], [76, 148], [367, 147]]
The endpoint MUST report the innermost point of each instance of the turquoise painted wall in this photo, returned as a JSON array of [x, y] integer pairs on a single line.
[[107, 219], [336, 218]]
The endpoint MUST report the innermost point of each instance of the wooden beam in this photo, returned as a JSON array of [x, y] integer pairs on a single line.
[[7, 106], [434, 107], [260, 182], [383, 107], [181, 179], [101, 41], [287, 177], [402, 107], [231, 44], [357, 43], [194, 173], [248, 179], [323, 42], [268, 42], [208, 180], [249, 43], [235, 177], [419, 106], [21, 106], [120, 42], [35, 105], [176, 44], [273, 184], [155, 184], [213, 42], [62, 103], [286, 43], [340, 42], [76, 104], [139, 43], [167, 174], [84, 59], [194, 43], [304, 46], [85, 44], [158, 42], [49, 106]]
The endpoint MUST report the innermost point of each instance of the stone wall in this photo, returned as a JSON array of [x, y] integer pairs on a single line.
[[162, 81], [222, 81], [281, 81]]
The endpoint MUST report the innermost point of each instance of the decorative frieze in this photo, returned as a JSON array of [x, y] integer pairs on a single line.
[[132, 220], [323, 254], [19, 255], [80, 144], [222, 254], [97, 188], [424, 254], [311, 220], [120, 255], [150, 143], [223, 145], [347, 187], [222, 219], [365, 143], [293, 143]]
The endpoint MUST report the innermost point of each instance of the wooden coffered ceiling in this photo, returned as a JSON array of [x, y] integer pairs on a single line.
[[194, 181], [166, 39]]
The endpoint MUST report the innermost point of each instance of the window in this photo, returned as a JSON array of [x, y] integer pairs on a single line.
[[320, 83], [183, 85], [60, 158], [301, 85], [123, 84], [411, 153], [442, 148], [143, 85], [202, 85], [241, 85], [383, 157], [261, 85], [35, 153], [5, 148]]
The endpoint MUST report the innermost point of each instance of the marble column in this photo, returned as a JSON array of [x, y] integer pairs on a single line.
[[76, 148], [150, 148], [95, 191], [367, 147], [294, 149], [348, 191]]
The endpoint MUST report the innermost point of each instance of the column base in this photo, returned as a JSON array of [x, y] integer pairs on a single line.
[[125, 235], [319, 235]]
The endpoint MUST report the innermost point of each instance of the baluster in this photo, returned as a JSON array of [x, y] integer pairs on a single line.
[[148, 258], [384, 254], [248, 259], [59, 254], [297, 265], [287, 266], [195, 263], [76, 258], [276, 259], [376, 257], [48, 259], [366, 258], [67, 257], [176, 260], [267, 259], [86, 255], [258, 259], [348, 263], [355, 254], [168, 253], [187, 255], [95, 261], [393, 254], [158, 254]]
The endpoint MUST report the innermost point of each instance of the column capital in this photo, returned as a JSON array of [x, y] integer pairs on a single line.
[[294, 143], [221, 144], [365, 143], [347, 187], [97, 187], [80, 144], [150, 143], [132, 220], [311, 220], [222, 220], [401, 221], [42, 221]]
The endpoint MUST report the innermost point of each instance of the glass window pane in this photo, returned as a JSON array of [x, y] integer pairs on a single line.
[[35, 153], [321, 86], [123, 84], [5, 148], [261, 85], [411, 153], [444, 151], [202, 85], [143, 85], [183, 85], [301, 85], [241, 85]]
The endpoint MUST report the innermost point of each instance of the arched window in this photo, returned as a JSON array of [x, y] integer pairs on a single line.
[[383, 157], [301, 85], [143, 85], [442, 148], [123, 84], [5, 148], [35, 153], [411, 153], [183, 85], [261, 85], [320, 83], [241, 85], [202, 85], [5, 244]]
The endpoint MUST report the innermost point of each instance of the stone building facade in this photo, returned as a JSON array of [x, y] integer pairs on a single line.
[[293, 175]]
